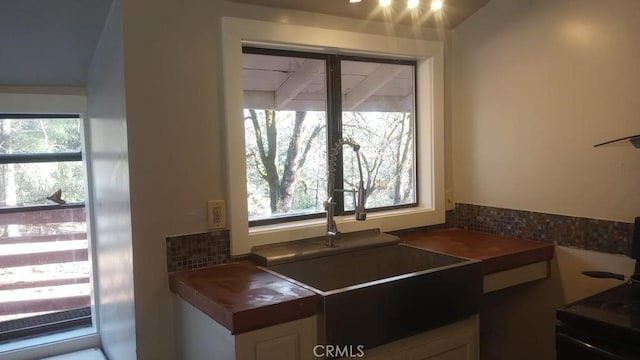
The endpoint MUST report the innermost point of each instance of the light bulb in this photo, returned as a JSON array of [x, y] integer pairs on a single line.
[[436, 5], [385, 3], [412, 4]]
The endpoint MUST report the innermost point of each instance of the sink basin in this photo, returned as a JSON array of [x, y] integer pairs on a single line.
[[373, 296], [297, 250], [357, 269]]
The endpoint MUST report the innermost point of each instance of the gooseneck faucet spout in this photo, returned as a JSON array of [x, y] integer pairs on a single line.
[[359, 194]]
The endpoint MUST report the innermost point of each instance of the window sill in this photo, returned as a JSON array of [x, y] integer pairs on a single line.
[[386, 221], [89, 354], [50, 345]]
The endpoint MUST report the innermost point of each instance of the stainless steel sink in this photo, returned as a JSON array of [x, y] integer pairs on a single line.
[[377, 295], [363, 268]]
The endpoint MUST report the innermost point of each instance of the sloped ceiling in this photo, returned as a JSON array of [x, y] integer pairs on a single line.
[[452, 14], [49, 42]]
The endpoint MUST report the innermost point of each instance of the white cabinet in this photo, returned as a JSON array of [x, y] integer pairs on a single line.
[[289, 341], [201, 338], [458, 341]]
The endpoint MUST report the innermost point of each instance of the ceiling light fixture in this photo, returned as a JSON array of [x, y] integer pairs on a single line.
[[385, 3], [355, 1], [436, 5], [412, 4]]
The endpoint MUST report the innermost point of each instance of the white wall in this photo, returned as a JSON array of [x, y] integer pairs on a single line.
[[536, 83], [110, 175], [572, 262], [175, 133]]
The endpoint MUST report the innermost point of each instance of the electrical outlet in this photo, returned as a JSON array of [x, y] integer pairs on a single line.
[[449, 202], [216, 214]]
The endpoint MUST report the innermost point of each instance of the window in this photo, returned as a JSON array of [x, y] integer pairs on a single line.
[[297, 106], [45, 284], [423, 205]]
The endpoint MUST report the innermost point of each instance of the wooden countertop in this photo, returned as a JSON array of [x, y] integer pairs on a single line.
[[242, 297], [497, 253]]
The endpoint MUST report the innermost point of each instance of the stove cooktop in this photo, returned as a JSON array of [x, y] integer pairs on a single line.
[[616, 308]]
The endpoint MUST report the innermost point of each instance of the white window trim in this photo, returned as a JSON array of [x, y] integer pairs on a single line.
[[78, 339], [430, 125]]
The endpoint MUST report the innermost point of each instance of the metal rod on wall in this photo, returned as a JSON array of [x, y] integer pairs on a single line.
[[633, 139]]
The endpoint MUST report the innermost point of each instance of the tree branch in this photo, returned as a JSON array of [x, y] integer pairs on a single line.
[[258, 133], [307, 148]]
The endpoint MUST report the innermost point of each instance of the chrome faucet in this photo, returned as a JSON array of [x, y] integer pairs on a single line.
[[359, 195]]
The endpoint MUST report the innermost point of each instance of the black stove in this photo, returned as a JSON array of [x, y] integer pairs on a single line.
[[617, 307], [603, 326]]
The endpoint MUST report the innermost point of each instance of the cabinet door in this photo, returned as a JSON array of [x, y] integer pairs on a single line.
[[289, 341], [281, 348], [458, 347]]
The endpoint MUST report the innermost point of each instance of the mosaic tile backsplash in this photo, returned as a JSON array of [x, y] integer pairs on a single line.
[[211, 248], [590, 234], [195, 251]]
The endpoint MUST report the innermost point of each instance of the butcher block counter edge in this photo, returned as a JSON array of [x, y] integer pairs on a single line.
[[497, 252], [242, 297]]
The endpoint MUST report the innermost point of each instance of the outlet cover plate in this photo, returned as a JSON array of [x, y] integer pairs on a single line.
[[216, 214]]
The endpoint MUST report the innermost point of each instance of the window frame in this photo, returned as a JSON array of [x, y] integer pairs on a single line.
[[334, 110], [298, 54], [39, 157], [429, 56], [33, 158], [51, 103], [63, 322], [338, 115]]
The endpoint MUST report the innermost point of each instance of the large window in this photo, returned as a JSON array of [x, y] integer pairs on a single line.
[[364, 98], [44, 263], [298, 105]]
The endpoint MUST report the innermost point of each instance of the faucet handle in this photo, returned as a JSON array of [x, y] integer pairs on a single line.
[[328, 204], [361, 212]]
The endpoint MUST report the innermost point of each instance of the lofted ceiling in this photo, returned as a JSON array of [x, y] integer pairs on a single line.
[[452, 14], [49, 42]]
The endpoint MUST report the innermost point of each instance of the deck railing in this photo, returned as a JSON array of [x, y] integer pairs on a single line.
[[44, 264]]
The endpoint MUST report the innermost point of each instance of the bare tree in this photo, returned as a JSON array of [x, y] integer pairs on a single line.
[[279, 143], [388, 154], [280, 183], [403, 147]]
